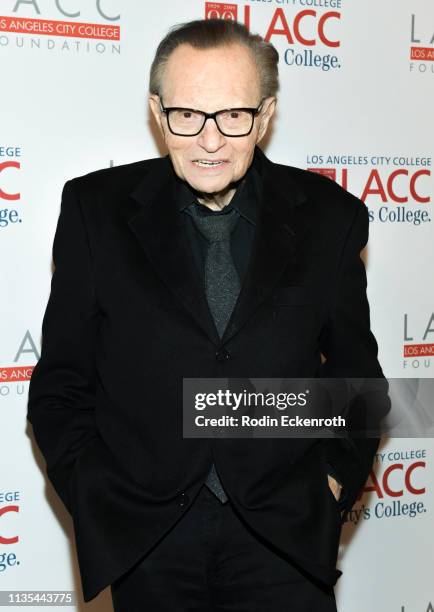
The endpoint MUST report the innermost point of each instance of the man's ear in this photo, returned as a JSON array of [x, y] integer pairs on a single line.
[[267, 111], [154, 105]]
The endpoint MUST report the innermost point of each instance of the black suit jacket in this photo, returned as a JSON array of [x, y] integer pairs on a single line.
[[127, 319]]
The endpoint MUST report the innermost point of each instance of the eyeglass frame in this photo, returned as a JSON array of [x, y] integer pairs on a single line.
[[253, 111]]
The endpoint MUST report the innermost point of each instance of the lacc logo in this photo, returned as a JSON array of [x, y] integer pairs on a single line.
[[306, 28]]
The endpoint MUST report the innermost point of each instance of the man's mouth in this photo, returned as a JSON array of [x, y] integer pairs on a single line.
[[206, 163]]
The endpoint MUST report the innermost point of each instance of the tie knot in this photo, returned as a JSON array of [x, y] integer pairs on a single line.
[[215, 227]]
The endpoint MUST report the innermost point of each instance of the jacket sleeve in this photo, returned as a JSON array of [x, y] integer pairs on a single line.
[[61, 406], [350, 350]]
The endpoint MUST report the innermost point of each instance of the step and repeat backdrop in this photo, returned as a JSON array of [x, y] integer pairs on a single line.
[[355, 103]]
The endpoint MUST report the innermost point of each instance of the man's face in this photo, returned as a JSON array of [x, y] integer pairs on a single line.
[[211, 80]]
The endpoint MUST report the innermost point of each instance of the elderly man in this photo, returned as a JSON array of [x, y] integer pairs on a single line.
[[210, 262]]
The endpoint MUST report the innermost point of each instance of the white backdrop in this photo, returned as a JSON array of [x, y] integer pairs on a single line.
[[357, 85]]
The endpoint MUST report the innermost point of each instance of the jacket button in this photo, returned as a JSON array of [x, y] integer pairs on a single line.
[[222, 354], [183, 499]]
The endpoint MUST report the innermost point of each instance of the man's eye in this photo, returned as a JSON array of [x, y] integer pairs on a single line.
[[187, 115], [234, 114]]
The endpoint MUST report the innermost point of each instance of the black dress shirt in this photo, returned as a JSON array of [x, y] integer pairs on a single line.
[[245, 201]]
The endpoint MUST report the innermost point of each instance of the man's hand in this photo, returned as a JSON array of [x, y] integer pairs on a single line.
[[335, 487]]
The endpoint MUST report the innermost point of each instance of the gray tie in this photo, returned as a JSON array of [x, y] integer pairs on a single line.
[[222, 286]]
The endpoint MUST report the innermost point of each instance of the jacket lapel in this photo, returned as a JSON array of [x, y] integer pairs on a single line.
[[280, 228], [158, 225]]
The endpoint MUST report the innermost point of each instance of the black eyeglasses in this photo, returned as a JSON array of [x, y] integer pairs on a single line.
[[234, 122]]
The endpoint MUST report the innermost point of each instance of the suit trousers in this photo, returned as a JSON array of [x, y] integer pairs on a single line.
[[211, 561]]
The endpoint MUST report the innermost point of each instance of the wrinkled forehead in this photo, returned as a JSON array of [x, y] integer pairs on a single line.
[[211, 78]]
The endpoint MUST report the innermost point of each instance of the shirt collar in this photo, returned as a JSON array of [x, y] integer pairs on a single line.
[[245, 199]]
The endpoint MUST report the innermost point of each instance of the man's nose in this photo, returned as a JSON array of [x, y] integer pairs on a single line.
[[210, 138]]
